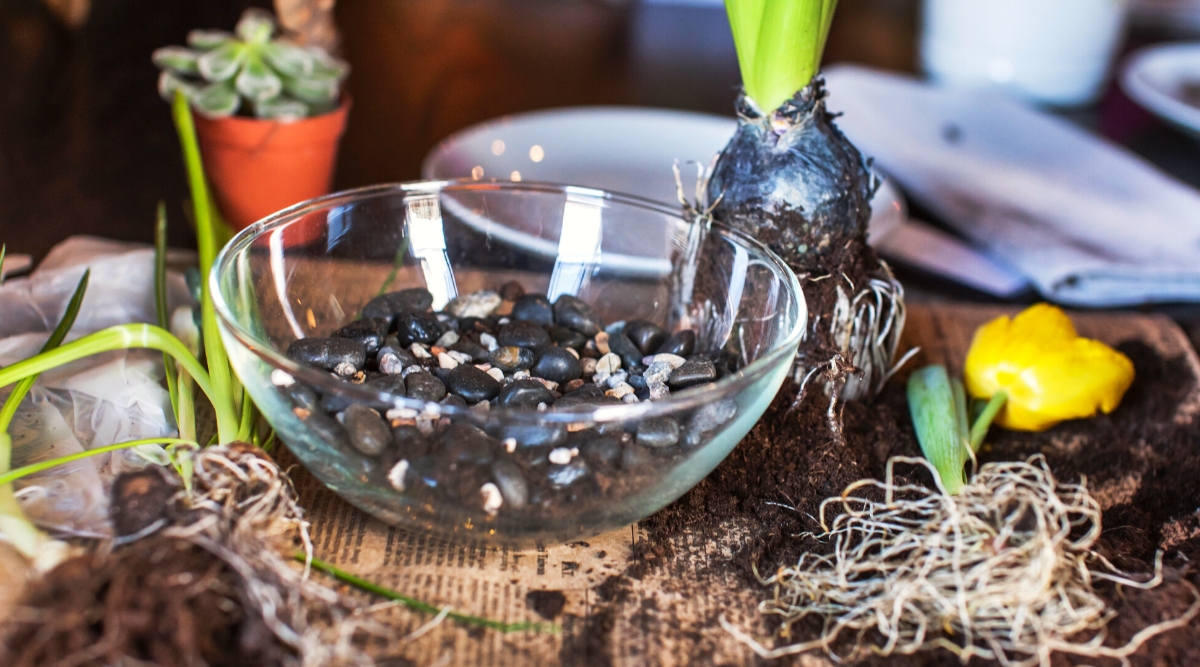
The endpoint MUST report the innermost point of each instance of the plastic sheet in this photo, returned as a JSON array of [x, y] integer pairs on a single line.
[[102, 400]]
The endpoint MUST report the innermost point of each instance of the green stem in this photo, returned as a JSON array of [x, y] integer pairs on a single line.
[[206, 243], [13, 475], [56, 338], [160, 296], [980, 428], [121, 337], [417, 605]]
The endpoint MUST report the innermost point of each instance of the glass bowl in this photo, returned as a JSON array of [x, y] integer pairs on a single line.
[[308, 270]]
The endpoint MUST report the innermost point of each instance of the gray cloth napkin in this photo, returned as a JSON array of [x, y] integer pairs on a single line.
[[1089, 223]]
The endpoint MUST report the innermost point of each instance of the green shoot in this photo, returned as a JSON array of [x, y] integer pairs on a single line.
[[24, 471], [417, 605], [980, 428], [56, 338], [779, 45], [206, 241], [160, 297], [939, 417], [120, 337]]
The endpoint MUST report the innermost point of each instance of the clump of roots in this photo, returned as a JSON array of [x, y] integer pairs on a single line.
[[217, 579], [1003, 570]]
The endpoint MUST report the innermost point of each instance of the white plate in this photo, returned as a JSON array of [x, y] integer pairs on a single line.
[[1157, 77], [620, 149]]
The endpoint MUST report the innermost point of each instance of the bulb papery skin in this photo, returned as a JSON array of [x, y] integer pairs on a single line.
[[792, 179]]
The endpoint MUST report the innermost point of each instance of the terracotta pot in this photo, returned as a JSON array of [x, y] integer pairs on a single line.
[[257, 167]]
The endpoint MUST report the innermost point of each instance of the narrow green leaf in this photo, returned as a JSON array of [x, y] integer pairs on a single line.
[[56, 338], [935, 415], [257, 82], [206, 242], [160, 296], [248, 416], [745, 20], [417, 605], [177, 59], [779, 44], [984, 421], [207, 40], [223, 62], [24, 471], [185, 414]]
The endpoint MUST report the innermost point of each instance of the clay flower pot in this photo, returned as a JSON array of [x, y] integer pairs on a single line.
[[257, 167]]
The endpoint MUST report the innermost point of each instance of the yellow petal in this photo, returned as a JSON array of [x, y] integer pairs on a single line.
[[1048, 372]]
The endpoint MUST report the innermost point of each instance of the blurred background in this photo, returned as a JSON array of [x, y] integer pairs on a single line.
[[87, 146]]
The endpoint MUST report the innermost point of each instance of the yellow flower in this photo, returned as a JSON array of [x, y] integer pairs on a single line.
[[1049, 373]]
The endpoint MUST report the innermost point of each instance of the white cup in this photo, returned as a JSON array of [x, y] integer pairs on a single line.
[[1055, 52]]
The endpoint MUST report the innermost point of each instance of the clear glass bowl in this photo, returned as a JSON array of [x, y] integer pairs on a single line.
[[308, 270]]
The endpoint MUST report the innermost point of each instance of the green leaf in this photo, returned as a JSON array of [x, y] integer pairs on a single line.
[[257, 82], [281, 108], [223, 62], [256, 26], [939, 418], [745, 19], [216, 100], [160, 296], [24, 471], [289, 59], [779, 45], [207, 40], [169, 82], [314, 90], [177, 59], [326, 66], [56, 338]]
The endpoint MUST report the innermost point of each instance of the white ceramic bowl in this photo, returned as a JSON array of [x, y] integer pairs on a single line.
[[1158, 78]]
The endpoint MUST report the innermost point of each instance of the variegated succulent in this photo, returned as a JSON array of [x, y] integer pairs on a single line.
[[223, 73]]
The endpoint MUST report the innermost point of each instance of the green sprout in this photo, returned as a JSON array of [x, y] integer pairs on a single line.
[[938, 405], [220, 73], [779, 45]]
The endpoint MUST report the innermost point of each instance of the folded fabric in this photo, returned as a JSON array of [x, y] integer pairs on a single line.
[[1089, 223]]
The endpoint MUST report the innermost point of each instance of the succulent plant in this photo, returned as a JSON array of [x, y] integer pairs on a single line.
[[223, 73]]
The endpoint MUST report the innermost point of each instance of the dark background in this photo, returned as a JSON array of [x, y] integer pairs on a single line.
[[87, 146]]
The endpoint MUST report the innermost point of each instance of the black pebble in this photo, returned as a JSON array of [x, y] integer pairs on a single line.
[[692, 373], [472, 384], [520, 333], [681, 343], [557, 365], [533, 435], [509, 359], [478, 353], [417, 328], [513, 487], [328, 353], [463, 443], [631, 356], [302, 397], [409, 442], [367, 430], [564, 337], [394, 358], [475, 325], [387, 306], [455, 400], [575, 314], [588, 390], [602, 450], [658, 432], [511, 291], [524, 394], [370, 332], [424, 386], [533, 308], [648, 336]]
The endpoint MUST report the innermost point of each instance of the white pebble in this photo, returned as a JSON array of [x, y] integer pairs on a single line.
[[488, 341], [390, 364], [618, 378], [447, 361], [397, 473], [418, 350], [658, 371], [572, 351], [673, 359], [460, 357], [412, 369], [345, 369], [542, 407], [402, 413], [281, 378], [449, 338], [589, 366], [602, 343], [550, 384], [492, 499], [425, 426], [520, 375], [485, 367], [608, 364], [482, 406], [630, 398], [503, 320], [496, 374], [560, 456], [475, 304], [510, 445], [658, 390]]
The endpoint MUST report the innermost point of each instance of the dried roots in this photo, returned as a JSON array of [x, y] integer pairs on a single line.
[[1003, 570]]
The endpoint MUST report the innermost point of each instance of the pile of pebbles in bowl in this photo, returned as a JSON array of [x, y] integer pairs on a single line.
[[517, 351]]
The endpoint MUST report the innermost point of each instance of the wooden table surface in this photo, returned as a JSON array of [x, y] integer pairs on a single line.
[[86, 145]]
